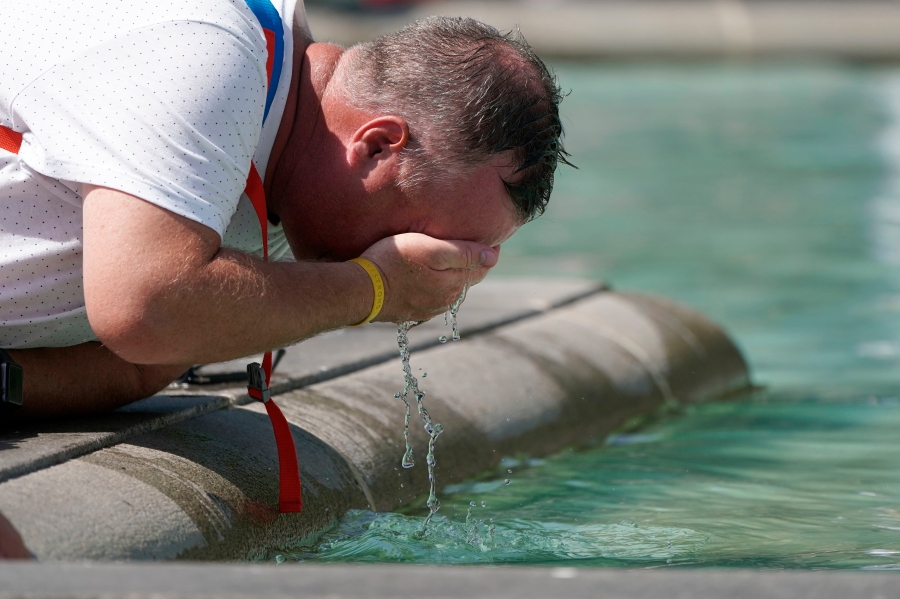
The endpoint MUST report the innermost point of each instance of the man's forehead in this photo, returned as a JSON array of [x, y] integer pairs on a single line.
[[484, 202]]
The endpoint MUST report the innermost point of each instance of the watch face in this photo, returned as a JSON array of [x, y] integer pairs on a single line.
[[11, 376]]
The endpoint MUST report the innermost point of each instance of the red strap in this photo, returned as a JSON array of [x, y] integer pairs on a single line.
[[10, 140], [267, 368], [290, 497]]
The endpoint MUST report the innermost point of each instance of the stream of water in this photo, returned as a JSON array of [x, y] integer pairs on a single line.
[[411, 386]]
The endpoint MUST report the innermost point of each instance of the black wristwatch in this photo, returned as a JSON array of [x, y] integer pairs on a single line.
[[11, 376]]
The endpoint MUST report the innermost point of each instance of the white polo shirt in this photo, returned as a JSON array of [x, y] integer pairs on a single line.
[[163, 100]]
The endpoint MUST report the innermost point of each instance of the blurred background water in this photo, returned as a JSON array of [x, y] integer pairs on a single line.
[[768, 197], [758, 194]]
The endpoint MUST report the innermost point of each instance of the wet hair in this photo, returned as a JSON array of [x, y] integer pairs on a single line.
[[469, 93]]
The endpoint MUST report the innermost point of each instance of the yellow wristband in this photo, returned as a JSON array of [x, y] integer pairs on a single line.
[[377, 285]]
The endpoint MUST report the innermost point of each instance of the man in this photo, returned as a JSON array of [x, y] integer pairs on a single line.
[[127, 248]]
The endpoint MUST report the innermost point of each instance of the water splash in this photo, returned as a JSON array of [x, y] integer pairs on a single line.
[[411, 385], [454, 327], [363, 536]]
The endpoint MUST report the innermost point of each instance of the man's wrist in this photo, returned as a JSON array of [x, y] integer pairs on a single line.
[[361, 293], [11, 384], [377, 288]]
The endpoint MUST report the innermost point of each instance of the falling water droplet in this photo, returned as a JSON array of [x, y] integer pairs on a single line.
[[453, 310], [472, 504], [506, 481], [509, 471], [483, 504], [443, 338], [408, 460], [424, 375]]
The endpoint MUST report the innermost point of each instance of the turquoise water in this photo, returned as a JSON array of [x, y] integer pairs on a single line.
[[767, 196]]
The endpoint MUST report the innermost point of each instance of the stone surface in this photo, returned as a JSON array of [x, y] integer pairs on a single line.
[[30, 447], [136, 581], [85, 502]]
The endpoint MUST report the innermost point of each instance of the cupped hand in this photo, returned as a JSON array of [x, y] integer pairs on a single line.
[[423, 275]]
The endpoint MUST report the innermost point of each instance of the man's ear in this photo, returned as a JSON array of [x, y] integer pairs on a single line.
[[380, 139]]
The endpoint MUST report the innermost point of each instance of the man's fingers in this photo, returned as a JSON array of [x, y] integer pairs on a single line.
[[489, 257], [464, 255], [476, 275]]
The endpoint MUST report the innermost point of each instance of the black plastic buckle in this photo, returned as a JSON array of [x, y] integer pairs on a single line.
[[256, 381]]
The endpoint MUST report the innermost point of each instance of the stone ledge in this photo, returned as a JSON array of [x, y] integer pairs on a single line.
[[177, 581]]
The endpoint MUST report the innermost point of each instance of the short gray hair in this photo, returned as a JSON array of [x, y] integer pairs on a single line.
[[469, 93]]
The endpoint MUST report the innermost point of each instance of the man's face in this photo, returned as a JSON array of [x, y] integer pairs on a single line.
[[473, 206]]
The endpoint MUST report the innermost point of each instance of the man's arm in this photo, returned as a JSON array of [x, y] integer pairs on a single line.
[[160, 290], [161, 295]]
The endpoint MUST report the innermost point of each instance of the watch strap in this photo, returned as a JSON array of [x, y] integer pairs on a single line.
[[11, 384]]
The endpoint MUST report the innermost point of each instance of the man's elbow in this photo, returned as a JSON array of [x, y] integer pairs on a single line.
[[136, 331]]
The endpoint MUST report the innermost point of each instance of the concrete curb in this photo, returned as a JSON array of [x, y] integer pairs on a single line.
[[172, 581], [205, 487], [681, 29]]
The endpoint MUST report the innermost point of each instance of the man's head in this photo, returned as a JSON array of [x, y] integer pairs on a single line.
[[446, 127], [469, 94]]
